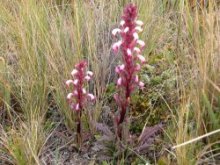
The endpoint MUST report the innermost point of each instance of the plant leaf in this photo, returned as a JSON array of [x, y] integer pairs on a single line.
[[149, 132], [104, 129]]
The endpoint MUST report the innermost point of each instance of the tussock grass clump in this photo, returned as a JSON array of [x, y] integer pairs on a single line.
[[41, 41]]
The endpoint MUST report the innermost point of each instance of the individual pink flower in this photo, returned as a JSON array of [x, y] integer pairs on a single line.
[[116, 46]]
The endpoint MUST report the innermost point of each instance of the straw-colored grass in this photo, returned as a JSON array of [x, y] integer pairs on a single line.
[[40, 42]]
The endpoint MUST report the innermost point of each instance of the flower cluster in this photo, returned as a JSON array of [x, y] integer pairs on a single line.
[[131, 47], [78, 97]]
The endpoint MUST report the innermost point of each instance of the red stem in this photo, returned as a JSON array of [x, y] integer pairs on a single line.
[[79, 132]]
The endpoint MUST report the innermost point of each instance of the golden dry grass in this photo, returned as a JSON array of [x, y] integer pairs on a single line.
[[40, 41]]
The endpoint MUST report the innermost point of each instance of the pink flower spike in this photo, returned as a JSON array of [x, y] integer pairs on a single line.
[[136, 37], [141, 58], [87, 78], [73, 73], [77, 98], [139, 23], [69, 96], [141, 84], [90, 73], [68, 82], [91, 96], [130, 47], [137, 50], [122, 22], [126, 29], [115, 31], [119, 82], [141, 43], [138, 29]]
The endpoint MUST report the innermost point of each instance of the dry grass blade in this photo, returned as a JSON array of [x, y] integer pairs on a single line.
[[196, 139]]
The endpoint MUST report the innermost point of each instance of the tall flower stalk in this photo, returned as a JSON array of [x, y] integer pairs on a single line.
[[78, 98], [131, 48]]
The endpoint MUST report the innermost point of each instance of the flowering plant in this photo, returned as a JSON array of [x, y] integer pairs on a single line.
[[79, 96], [128, 81], [131, 47]]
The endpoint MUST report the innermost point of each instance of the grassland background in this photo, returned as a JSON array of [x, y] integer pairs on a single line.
[[40, 41]]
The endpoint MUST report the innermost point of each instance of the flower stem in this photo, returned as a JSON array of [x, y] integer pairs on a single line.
[[79, 129]]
